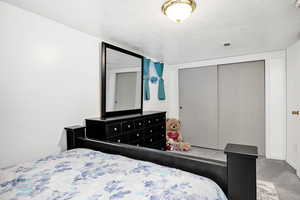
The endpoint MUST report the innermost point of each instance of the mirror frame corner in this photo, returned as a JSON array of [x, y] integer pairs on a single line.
[[104, 113]]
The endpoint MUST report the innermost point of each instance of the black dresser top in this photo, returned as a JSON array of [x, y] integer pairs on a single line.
[[144, 114]]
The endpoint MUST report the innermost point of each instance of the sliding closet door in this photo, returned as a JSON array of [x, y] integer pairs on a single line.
[[242, 104], [198, 106]]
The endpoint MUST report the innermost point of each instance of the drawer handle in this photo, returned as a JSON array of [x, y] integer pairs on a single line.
[[162, 135], [157, 119], [162, 127], [149, 122], [151, 131], [119, 141], [128, 126], [151, 140], [137, 135], [140, 124], [115, 129]]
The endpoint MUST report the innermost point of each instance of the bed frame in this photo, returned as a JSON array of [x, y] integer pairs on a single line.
[[236, 176]]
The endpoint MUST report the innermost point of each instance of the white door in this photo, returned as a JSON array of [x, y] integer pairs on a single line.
[[293, 106], [125, 97]]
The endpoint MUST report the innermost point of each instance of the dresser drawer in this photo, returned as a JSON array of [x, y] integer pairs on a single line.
[[160, 128], [127, 126], [95, 130], [120, 139], [154, 142], [161, 136], [148, 121], [137, 143], [154, 137], [136, 135], [149, 141], [159, 119], [138, 124], [148, 131], [160, 145], [113, 130]]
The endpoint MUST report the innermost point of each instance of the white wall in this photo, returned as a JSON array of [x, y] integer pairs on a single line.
[[293, 104], [49, 79], [154, 104], [275, 77]]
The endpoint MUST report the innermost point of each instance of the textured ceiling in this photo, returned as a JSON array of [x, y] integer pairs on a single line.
[[251, 26]]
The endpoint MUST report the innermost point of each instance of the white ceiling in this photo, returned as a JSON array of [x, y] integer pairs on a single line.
[[251, 26]]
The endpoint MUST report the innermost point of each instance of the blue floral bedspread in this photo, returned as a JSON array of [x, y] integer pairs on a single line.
[[82, 174]]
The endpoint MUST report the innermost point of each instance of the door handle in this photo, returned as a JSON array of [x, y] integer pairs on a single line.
[[180, 107]]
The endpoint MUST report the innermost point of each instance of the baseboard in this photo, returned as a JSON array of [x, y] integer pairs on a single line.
[[276, 158], [292, 165], [208, 148]]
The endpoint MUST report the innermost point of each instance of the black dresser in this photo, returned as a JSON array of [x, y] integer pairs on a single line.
[[146, 130]]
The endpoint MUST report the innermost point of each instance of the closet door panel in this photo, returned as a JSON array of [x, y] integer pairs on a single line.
[[242, 104], [198, 106]]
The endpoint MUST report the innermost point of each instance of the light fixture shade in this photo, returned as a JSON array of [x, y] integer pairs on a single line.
[[297, 3], [178, 10]]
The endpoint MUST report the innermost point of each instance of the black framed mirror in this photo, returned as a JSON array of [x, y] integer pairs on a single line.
[[122, 81]]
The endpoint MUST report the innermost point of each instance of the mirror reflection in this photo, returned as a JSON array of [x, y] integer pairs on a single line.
[[123, 81]]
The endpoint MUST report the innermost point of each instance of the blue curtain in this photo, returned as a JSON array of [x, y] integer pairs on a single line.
[[146, 78], [159, 67]]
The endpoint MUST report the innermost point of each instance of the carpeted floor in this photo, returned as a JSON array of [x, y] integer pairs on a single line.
[[277, 172], [266, 191], [283, 176]]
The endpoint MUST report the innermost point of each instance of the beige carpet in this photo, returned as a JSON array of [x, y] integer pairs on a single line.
[[266, 191]]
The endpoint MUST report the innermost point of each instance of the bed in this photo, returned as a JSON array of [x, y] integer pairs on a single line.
[[94, 170], [93, 175]]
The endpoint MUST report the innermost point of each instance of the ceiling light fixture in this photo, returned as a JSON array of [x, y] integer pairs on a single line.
[[178, 10], [297, 2]]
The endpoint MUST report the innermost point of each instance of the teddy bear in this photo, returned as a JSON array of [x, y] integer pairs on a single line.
[[173, 135]]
